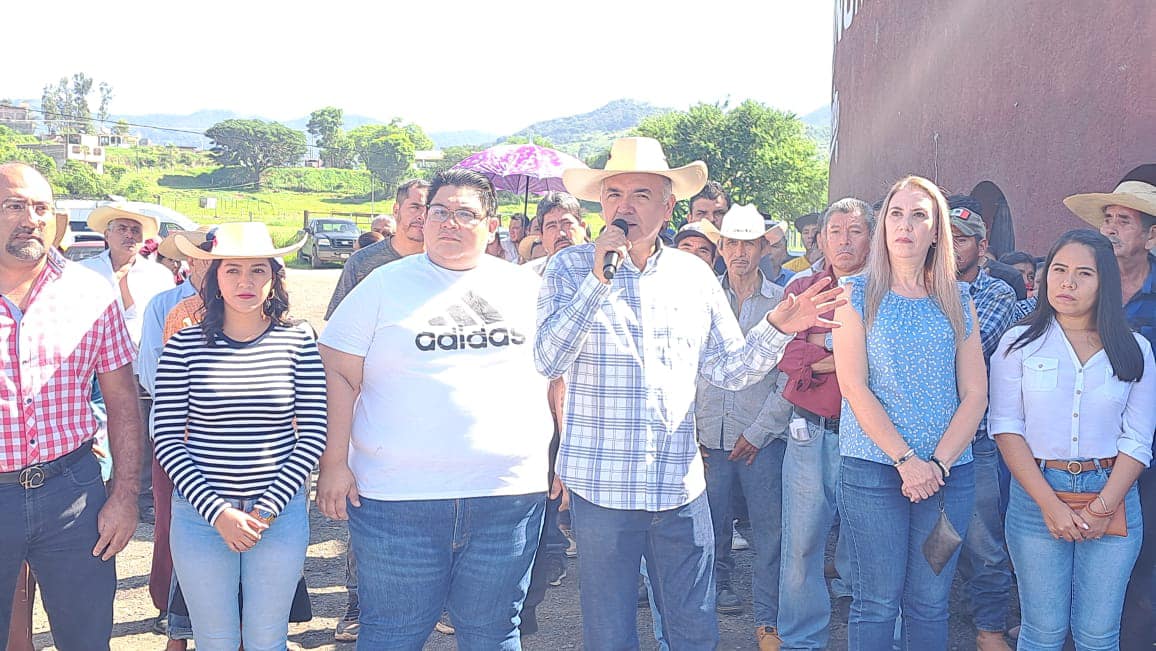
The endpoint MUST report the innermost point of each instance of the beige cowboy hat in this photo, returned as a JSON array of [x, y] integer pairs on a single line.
[[168, 246], [635, 156], [526, 245], [237, 240], [745, 222], [701, 228], [98, 219], [1136, 195]]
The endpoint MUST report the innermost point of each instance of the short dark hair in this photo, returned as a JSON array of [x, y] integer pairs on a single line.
[[465, 179], [1017, 257], [525, 221], [1124, 354], [563, 200], [404, 188], [711, 191], [849, 206], [365, 239]]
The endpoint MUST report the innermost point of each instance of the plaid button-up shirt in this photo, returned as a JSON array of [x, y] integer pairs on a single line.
[[71, 328], [631, 353], [994, 301]]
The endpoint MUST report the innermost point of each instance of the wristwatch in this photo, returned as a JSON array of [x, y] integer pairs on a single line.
[[263, 515], [942, 466]]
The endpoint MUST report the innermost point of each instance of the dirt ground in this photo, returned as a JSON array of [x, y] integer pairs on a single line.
[[559, 616]]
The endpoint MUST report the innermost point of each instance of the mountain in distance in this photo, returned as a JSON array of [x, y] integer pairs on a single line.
[[819, 127], [443, 139]]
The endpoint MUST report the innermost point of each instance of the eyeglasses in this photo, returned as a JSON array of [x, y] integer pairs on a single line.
[[20, 206], [463, 216]]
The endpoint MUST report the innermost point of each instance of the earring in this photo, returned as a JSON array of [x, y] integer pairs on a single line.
[[219, 294]]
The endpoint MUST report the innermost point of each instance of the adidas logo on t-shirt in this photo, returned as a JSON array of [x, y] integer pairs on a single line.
[[460, 336]]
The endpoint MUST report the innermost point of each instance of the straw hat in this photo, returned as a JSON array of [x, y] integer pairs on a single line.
[[1136, 195], [635, 156], [237, 240], [168, 246], [98, 219]]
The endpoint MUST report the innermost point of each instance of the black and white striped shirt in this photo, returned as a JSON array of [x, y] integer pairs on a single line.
[[224, 417]]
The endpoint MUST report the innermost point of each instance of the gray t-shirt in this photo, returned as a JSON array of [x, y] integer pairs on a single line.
[[358, 266]]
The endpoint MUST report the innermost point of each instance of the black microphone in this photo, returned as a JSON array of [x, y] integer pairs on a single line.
[[614, 258]]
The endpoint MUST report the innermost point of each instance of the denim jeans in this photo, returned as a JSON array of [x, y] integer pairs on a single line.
[[470, 556], [54, 528], [1140, 601], [551, 546], [762, 485], [655, 616], [810, 482], [886, 532], [209, 573], [983, 561], [1064, 584], [678, 545]]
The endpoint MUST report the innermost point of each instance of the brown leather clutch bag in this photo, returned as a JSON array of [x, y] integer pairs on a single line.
[[1117, 524]]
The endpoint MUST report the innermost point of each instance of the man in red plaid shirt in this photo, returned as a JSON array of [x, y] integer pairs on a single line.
[[59, 325]]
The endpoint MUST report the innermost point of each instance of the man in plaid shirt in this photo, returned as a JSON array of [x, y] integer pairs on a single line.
[[631, 349], [984, 560], [59, 325]]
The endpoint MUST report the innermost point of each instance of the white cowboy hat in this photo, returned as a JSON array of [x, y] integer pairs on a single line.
[[745, 222], [98, 219], [1136, 195], [168, 246], [635, 156], [237, 240]]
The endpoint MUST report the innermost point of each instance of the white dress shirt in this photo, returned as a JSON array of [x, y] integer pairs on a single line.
[[146, 279], [1065, 410]]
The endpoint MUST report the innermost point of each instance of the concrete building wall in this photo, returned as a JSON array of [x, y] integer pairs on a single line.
[[1043, 99]]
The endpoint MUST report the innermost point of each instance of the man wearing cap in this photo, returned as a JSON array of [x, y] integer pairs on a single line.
[[409, 211], [1127, 217], [811, 462], [152, 343], [808, 228], [631, 348], [742, 433], [59, 326], [699, 239], [984, 562]]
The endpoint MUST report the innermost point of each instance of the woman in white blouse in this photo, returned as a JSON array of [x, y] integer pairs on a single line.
[[1072, 408]]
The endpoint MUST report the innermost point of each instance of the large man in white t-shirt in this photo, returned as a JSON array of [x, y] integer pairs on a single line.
[[444, 493]]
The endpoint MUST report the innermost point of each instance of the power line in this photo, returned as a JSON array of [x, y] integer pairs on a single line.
[[65, 116]]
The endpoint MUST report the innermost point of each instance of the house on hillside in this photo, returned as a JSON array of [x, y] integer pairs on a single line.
[[82, 147], [18, 118], [428, 158], [1019, 104]]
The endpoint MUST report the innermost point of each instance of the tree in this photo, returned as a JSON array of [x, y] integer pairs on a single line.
[[387, 150], [78, 179], [541, 141], [121, 128], [255, 145], [81, 113], [105, 98], [760, 155], [65, 104], [325, 125]]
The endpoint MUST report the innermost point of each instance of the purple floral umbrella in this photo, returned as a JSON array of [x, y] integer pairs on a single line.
[[522, 168]]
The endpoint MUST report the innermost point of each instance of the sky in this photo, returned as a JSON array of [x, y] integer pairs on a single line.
[[493, 66]]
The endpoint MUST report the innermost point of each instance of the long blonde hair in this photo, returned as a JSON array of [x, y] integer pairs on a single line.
[[939, 267]]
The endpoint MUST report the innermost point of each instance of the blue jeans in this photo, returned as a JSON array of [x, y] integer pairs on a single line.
[[54, 528], [762, 486], [983, 561], [1064, 584], [209, 573], [886, 532], [469, 556], [678, 545], [810, 482]]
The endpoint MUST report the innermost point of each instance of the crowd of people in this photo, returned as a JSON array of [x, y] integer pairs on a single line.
[[895, 389]]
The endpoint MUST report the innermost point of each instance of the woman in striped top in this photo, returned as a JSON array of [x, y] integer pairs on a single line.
[[239, 425]]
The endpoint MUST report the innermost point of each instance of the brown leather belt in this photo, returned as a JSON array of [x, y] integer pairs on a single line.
[[1077, 467], [35, 475]]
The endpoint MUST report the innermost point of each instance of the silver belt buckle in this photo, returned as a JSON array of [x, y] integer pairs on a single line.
[[1078, 465], [32, 477]]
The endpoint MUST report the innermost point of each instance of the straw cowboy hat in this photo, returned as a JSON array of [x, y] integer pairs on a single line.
[[526, 245], [98, 219], [701, 228], [168, 246], [1136, 195], [635, 156], [745, 222], [237, 240]]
